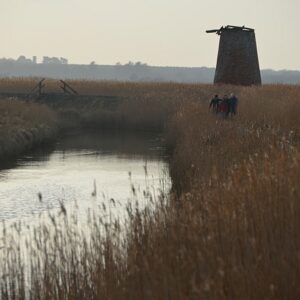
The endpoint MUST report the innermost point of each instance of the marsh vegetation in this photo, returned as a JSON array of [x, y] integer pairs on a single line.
[[23, 126], [229, 229]]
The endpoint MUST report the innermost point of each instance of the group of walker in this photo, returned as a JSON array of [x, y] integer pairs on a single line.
[[224, 106]]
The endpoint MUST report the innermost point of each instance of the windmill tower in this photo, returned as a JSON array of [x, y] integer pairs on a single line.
[[237, 58]]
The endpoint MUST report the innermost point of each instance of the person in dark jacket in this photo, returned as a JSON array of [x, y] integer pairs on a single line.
[[233, 102], [214, 103]]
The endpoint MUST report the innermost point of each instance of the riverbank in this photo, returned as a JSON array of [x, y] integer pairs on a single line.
[[24, 126], [229, 230]]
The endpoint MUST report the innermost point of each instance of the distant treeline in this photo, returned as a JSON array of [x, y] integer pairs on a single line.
[[130, 72]]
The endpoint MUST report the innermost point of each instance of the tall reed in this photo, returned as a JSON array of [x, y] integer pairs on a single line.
[[24, 125], [228, 230]]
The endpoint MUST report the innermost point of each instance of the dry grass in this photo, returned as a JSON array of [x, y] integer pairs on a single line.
[[22, 125], [230, 230]]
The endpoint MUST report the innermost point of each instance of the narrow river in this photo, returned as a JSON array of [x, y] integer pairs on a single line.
[[84, 170]]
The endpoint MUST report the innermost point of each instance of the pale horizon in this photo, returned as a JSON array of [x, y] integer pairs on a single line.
[[159, 33]]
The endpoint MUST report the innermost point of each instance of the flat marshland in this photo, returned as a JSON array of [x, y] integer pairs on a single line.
[[229, 229]]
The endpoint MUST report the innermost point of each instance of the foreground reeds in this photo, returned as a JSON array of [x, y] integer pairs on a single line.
[[229, 229]]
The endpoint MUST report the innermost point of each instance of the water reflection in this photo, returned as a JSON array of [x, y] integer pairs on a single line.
[[144, 144], [87, 167]]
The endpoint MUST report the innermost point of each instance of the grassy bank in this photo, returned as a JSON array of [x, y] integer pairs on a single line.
[[229, 230], [23, 126]]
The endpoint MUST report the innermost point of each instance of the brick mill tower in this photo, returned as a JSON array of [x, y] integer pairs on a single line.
[[237, 58]]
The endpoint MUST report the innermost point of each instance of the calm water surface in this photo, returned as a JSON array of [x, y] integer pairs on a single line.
[[84, 170]]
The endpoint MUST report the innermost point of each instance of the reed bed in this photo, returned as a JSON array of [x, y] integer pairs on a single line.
[[228, 230], [24, 125]]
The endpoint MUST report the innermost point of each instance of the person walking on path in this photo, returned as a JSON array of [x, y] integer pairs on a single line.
[[214, 104], [224, 106], [232, 105]]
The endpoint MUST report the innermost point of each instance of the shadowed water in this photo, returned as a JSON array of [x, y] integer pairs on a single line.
[[84, 169]]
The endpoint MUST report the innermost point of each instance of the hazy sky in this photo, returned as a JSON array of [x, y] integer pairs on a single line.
[[158, 32]]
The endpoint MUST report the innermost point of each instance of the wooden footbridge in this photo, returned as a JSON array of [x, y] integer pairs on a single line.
[[66, 96]]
